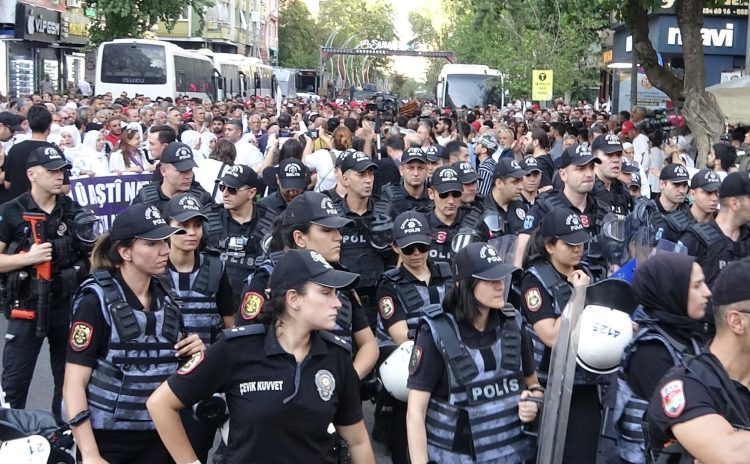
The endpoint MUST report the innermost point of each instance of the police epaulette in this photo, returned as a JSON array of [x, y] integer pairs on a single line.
[[336, 340], [236, 332]]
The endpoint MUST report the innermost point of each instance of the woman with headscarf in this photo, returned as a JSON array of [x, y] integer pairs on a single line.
[[70, 141], [672, 292], [91, 160], [192, 139], [208, 143]]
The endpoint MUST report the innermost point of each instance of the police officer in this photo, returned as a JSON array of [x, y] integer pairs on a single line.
[[241, 226], [359, 252], [292, 177], [176, 168], [699, 411], [675, 211], [610, 193], [670, 322], [704, 193], [285, 381], [505, 195], [727, 238], [311, 222], [546, 288], [36, 305], [468, 177], [635, 187], [403, 293], [577, 174], [531, 181], [471, 369], [126, 338], [411, 192]]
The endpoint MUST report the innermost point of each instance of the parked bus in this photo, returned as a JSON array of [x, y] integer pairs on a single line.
[[154, 69], [468, 85]]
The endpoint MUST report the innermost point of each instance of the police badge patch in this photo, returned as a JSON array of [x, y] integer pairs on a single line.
[[191, 363], [252, 303], [80, 336], [386, 307], [416, 358], [533, 299], [673, 398], [325, 384], [521, 213]]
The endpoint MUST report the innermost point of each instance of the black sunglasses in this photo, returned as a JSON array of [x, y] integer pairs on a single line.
[[409, 250], [230, 190], [453, 194]]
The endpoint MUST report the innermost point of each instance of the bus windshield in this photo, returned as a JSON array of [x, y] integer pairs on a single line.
[[124, 63], [306, 81], [469, 89]]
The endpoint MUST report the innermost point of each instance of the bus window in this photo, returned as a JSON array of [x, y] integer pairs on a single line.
[[124, 63]]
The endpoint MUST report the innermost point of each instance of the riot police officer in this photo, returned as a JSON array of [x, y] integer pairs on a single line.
[[670, 322], [361, 251], [43, 260], [411, 192], [176, 168], [505, 195], [610, 193], [292, 177], [474, 339], [699, 410], [403, 293], [126, 338], [531, 181], [675, 212], [240, 226], [704, 193], [727, 238], [468, 177]]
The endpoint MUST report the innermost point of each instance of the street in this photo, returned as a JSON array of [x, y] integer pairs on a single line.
[[40, 393]]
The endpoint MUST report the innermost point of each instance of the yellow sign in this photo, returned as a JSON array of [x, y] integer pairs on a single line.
[[541, 84]]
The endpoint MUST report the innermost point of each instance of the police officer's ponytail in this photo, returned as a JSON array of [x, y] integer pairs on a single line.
[[105, 254], [460, 300], [537, 248]]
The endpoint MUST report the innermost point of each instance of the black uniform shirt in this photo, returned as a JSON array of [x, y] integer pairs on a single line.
[[429, 374], [513, 217], [537, 212], [387, 291], [89, 315], [13, 228], [277, 420], [695, 247], [681, 397], [274, 203]]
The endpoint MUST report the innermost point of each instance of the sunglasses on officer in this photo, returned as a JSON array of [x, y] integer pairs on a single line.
[[452, 193], [231, 190], [421, 247]]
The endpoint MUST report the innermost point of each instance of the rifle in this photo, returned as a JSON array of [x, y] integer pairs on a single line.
[[42, 282]]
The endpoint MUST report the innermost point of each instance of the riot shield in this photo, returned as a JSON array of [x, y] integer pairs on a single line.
[[554, 423], [505, 247]]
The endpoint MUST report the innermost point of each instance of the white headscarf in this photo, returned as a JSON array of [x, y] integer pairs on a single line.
[[89, 159], [191, 138], [205, 150]]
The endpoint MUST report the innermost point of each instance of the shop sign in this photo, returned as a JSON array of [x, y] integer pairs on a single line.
[[37, 24]]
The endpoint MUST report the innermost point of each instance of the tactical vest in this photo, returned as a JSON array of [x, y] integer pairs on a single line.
[[676, 223], [238, 252], [357, 254], [709, 371], [630, 407], [149, 195], [483, 395], [398, 198], [136, 362], [720, 250], [561, 291], [198, 304], [413, 298], [468, 224]]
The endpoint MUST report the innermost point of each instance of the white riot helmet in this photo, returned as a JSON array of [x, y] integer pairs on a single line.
[[605, 327], [394, 372]]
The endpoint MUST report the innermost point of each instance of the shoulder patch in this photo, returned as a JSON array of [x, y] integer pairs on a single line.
[[528, 222], [80, 336], [533, 299], [673, 398], [191, 363], [416, 358], [521, 214], [252, 303], [386, 307]]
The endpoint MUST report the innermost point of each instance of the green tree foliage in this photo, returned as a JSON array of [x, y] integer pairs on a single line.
[[516, 36], [299, 39], [132, 18]]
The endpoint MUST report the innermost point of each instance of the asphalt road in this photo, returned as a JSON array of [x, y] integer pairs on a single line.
[[40, 394]]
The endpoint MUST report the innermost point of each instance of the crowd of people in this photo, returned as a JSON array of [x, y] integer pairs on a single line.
[[282, 259]]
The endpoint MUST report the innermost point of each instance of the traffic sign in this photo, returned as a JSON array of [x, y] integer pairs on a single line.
[[541, 84]]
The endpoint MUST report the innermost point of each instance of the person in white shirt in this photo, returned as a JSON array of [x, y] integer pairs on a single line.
[[247, 153]]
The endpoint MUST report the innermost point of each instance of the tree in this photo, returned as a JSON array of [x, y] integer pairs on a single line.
[[702, 114], [132, 18], [299, 41]]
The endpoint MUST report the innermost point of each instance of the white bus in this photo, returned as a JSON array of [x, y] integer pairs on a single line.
[[467, 85], [154, 69], [241, 75]]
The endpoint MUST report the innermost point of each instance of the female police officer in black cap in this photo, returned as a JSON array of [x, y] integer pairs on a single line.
[[471, 369], [125, 339], [285, 381]]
